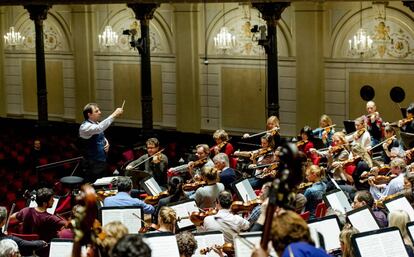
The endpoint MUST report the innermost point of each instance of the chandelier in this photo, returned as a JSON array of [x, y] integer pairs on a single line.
[[224, 40], [13, 38], [108, 37], [361, 42]]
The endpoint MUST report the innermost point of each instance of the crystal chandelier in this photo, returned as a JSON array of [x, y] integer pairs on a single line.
[[224, 40], [108, 37], [361, 42], [13, 38]]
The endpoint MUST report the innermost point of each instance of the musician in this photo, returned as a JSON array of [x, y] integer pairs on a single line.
[[167, 219], [394, 186], [131, 245], [306, 143], [187, 244], [255, 213], [123, 197], [38, 221], [202, 152], [409, 126], [95, 145], [223, 146], [399, 219], [314, 193], [226, 174], [345, 239], [362, 164], [9, 248], [290, 236], [323, 132], [113, 231], [361, 135], [26, 248], [155, 164], [223, 216], [206, 196], [272, 124], [373, 122], [390, 142], [364, 198], [176, 194]]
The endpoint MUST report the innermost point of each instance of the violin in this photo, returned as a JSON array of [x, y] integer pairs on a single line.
[[227, 248], [149, 227], [197, 217], [154, 199], [348, 162], [157, 158], [404, 122], [242, 207], [382, 179], [175, 171], [301, 143], [380, 203], [102, 194], [304, 185], [194, 185], [336, 149], [261, 152], [359, 133]]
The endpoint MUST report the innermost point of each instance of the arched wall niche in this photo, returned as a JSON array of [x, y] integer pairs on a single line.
[[397, 31], [240, 26]]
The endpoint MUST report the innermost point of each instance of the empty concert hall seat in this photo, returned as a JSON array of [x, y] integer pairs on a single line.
[[321, 209]]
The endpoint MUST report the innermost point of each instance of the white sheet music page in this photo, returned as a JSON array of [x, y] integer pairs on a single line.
[[163, 246], [153, 186], [183, 211], [125, 216], [63, 249], [245, 249], [338, 201], [401, 204], [363, 220], [208, 240], [387, 244], [246, 191], [50, 210], [329, 229]]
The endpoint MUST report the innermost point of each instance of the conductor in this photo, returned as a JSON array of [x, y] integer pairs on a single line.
[[95, 145]]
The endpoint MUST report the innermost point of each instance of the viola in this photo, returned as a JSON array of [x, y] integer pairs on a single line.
[[197, 217], [227, 248], [194, 185], [154, 199], [241, 207]]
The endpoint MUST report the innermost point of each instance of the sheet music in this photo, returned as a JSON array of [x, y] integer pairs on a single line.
[[104, 181], [184, 210], [50, 210], [163, 246], [245, 190], [363, 220], [245, 249], [329, 228], [153, 186], [411, 231], [125, 216], [385, 244], [338, 201], [400, 203], [63, 249], [208, 240]]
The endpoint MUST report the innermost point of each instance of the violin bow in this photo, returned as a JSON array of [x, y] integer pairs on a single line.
[[152, 156], [264, 132], [6, 226], [382, 142]]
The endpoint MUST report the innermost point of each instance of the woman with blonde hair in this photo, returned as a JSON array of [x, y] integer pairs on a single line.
[[325, 131], [345, 239], [167, 219], [113, 231], [363, 163], [206, 196]]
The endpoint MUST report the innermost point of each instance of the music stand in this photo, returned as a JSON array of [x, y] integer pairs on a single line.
[[349, 126], [136, 177], [407, 139]]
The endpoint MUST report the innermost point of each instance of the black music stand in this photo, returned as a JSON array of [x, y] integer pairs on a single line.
[[349, 126], [407, 139]]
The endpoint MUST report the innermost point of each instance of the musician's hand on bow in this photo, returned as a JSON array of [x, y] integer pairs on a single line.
[[246, 135]]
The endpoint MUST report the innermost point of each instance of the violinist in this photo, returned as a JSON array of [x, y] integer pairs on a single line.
[[113, 231], [37, 220], [396, 185], [364, 198], [272, 127], [390, 142], [167, 220], [202, 153], [361, 135], [325, 130], [176, 194], [215, 222], [362, 164], [257, 210], [123, 197], [227, 175], [373, 122], [154, 162], [314, 193], [306, 143], [407, 125], [206, 196], [223, 146], [187, 244]]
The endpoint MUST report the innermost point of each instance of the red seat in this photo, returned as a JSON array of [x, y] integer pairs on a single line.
[[321, 209], [305, 215], [28, 237]]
